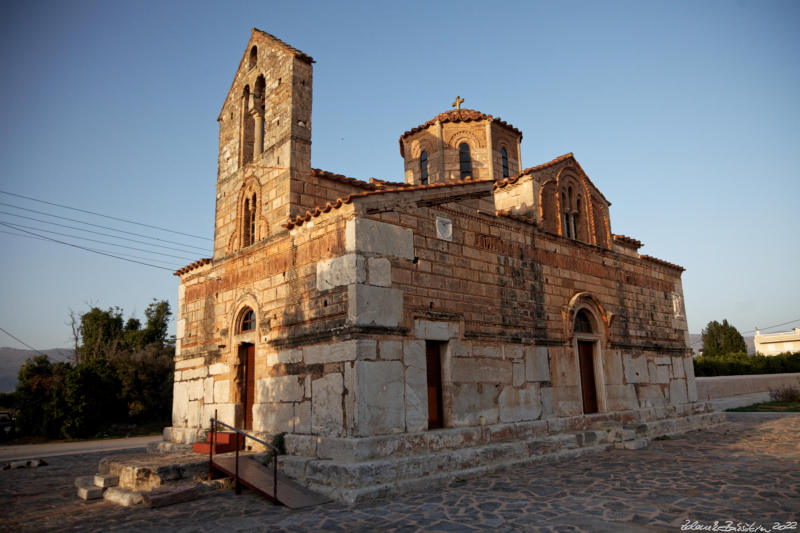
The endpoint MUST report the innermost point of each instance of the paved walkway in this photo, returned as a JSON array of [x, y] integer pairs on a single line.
[[747, 470]]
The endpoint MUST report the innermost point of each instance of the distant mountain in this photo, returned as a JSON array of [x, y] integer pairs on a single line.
[[12, 359], [696, 340]]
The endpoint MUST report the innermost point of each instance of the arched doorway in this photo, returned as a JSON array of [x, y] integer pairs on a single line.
[[587, 350], [246, 375]]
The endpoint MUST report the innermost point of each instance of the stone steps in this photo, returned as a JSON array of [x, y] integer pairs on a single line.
[[354, 481], [94, 487]]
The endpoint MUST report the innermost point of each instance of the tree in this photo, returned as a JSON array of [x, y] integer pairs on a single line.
[[721, 339]]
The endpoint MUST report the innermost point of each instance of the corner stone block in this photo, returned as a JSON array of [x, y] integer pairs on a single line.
[[372, 236], [208, 390], [677, 392], [326, 405], [537, 364], [338, 271], [414, 353], [279, 389], [379, 271], [285, 357], [391, 350], [374, 306], [273, 417], [180, 403], [380, 408], [651, 396], [520, 404], [678, 371], [218, 368], [196, 389]]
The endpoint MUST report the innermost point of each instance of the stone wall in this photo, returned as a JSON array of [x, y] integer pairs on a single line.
[[712, 388]]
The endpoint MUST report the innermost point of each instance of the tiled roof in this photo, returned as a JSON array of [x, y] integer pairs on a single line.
[[342, 179], [560, 159], [300, 55], [196, 264], [661, 262], [630, 242], [456, 115], [301, 219]]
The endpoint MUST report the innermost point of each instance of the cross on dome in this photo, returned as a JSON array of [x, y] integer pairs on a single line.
[[457, 102]]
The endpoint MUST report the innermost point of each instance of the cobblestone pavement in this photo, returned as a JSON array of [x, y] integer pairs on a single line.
[[746, 470]]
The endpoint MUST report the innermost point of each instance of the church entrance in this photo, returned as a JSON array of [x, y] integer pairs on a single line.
[[433, 364], [247, 383], [588, 380]]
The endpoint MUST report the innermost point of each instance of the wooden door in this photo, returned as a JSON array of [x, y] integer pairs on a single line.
[[249, 385], [588, 384], [434, 369]]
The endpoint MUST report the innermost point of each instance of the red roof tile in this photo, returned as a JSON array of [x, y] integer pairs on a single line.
[[324, 174], [624, 240], [520, 218], [190, 267], [456, 115], [661, 262], [300, 55]]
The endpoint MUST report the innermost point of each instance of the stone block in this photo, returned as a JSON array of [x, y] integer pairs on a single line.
[[482, 370], [90, 493], [208, 390], [548, 402], [196, 389], [302, 417], [189, 363], [351, 350], [635, 369], [379, 271], [326, 405], [471, 402], [194, 414], [218, 368], [125, 497], [677, 392], [537, 364], [637, 444], [374, 306], [372, 236], [487, 350], [691, 386], [391, 350], [435, 331], [180, 403], [416, 394], [222, 391], [280, 389], [105, 480], [651, 396], [612, 367], [84, 481], [513, 351], [678, 370], [274, 417], [285, 357], [659, 373], [379, 408], [194, 373], [518, 373], [520, 404], [338, 271]]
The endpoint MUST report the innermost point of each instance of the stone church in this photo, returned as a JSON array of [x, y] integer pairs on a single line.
[[477, 315]]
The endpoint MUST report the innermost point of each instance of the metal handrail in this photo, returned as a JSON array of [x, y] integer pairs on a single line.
[[237, 487]]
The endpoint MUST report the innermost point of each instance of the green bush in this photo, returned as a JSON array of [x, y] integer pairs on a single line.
[[734, 364]]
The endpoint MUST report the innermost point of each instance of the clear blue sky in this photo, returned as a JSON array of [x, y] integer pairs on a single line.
[[685, 114]]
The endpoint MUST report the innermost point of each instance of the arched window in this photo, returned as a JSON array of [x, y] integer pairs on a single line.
[[583, 324], [249, 221], [248, 127], [253, 61], [248, 321], [504, 156], [423, 167], [465, 160]]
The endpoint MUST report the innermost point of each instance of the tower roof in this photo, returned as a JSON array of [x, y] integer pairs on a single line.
[[457, 115]]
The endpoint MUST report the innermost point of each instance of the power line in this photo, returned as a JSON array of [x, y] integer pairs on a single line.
[[96, 232], [101, 226], [87, 249], [105, 216], [775, 326], [23, 342], [163, 262], [18, 226]]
